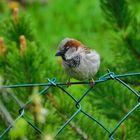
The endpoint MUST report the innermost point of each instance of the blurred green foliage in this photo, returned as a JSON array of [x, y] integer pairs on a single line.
[[109, 26]]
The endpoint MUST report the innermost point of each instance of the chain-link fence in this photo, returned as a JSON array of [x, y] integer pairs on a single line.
[[52, 82]]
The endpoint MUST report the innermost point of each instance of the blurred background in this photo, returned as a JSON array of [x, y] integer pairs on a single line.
[[30, 31]]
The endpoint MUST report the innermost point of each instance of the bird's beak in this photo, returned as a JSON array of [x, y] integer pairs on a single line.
[[59, 53]]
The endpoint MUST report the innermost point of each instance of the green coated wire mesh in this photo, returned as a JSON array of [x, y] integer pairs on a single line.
[[52, 82]]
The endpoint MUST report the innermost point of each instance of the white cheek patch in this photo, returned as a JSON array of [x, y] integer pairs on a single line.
[[70, 53]]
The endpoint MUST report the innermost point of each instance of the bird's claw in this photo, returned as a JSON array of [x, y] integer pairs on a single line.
[[91, 82], [68, 83]]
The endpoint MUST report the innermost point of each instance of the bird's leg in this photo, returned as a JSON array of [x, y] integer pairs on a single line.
[[68, 83], [91, 82]]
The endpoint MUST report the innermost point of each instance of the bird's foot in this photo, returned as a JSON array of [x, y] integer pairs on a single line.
[[68, 83], [91, 82]]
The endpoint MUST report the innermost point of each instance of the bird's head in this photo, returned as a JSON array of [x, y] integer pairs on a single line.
[[68, 48]]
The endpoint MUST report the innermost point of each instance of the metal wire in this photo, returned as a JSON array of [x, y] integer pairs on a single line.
[[52, 82]]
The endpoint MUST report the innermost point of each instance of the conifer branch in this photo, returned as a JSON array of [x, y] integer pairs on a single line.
[[5, 114], [129, 44], [117, 13]]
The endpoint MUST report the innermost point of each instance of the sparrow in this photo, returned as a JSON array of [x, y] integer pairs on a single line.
[[79, 62]]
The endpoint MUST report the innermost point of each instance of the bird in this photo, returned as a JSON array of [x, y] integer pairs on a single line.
[[78, 61]]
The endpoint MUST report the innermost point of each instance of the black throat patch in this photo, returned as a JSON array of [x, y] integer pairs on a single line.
[[73, 62]]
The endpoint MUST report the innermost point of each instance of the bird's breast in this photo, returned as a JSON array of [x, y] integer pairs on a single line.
[[82, 67]]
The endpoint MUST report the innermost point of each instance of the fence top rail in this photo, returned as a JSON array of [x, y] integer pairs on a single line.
[[108, 76]]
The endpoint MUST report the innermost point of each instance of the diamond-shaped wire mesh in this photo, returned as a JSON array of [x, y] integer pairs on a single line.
[[52, 82]]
